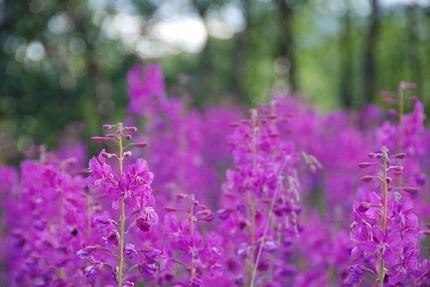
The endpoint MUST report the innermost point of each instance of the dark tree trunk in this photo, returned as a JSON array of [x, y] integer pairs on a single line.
[[204, 84], [286, 49], [414, 49], [345, 89], [238, 57], [370, 49]]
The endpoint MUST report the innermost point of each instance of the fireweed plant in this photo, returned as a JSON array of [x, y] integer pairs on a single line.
[[385, 229], [131, 194], [261, 202], [186, 249], [47, 213]]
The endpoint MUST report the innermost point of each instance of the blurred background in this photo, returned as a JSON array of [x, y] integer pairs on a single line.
[[65, 62]]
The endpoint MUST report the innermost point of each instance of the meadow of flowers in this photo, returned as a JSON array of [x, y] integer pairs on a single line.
[[284, 195]]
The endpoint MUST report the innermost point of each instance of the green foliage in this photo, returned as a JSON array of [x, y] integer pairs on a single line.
[[79, 74]]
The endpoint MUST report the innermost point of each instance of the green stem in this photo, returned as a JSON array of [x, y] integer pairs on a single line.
[[384, 216], [63, 171], [192, 232], [122, 225], [253, 207]]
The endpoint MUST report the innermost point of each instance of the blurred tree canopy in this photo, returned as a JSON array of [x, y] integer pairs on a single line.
[[66, 62]]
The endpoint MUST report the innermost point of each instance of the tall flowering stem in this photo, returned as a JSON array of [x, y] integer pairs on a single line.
[[128, 188], [384, 186], [122, 216], [192, 270], [385, 229], [254, 118], [261, 199]]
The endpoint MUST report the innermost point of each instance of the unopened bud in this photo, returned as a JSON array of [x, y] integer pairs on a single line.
[[386, 94], [110, 136], [107, 155], [108, 127], [410, 189], [399, 156], [372, 154], [413, 99], [389, 101], [182, 195], [398, 168], [132, 129], [127, 154], [140, 144], [412, 85], [392, 113], [170, 209], [364, 206], [98, 139], [128, 137], [389, 179], [364, 164], [367, 178]]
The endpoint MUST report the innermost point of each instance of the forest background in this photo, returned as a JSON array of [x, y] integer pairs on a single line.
[[64, 63]]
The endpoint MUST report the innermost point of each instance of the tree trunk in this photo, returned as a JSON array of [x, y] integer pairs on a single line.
[[286, 49], [370, 49], [345, 89], [238, 57]]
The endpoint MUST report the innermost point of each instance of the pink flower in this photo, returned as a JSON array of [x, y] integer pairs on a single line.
[[93, 270]]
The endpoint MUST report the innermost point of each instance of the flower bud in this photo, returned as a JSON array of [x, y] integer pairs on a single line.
[[98, 139], [364, 164], [170, 209], [399, 156], [129, 251], [107, 155], [223, 214], [128, 137], [132, 129], [367, 178], [364, 206], [112, 238], [421, 179], [410, 189], [140, 144], [392, 113], [398, 168], [372, 154], [86, 253], [108, 127], [92, 271], [127, 154], [386, 94], [152, 255], [148, 271]]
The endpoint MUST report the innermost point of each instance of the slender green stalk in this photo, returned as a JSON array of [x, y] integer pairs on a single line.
[[122, 225], [253, 206], [192, 232], [63, 171], [384, 215]]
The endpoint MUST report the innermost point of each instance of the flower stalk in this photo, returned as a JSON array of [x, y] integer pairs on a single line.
[[122, 219]]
